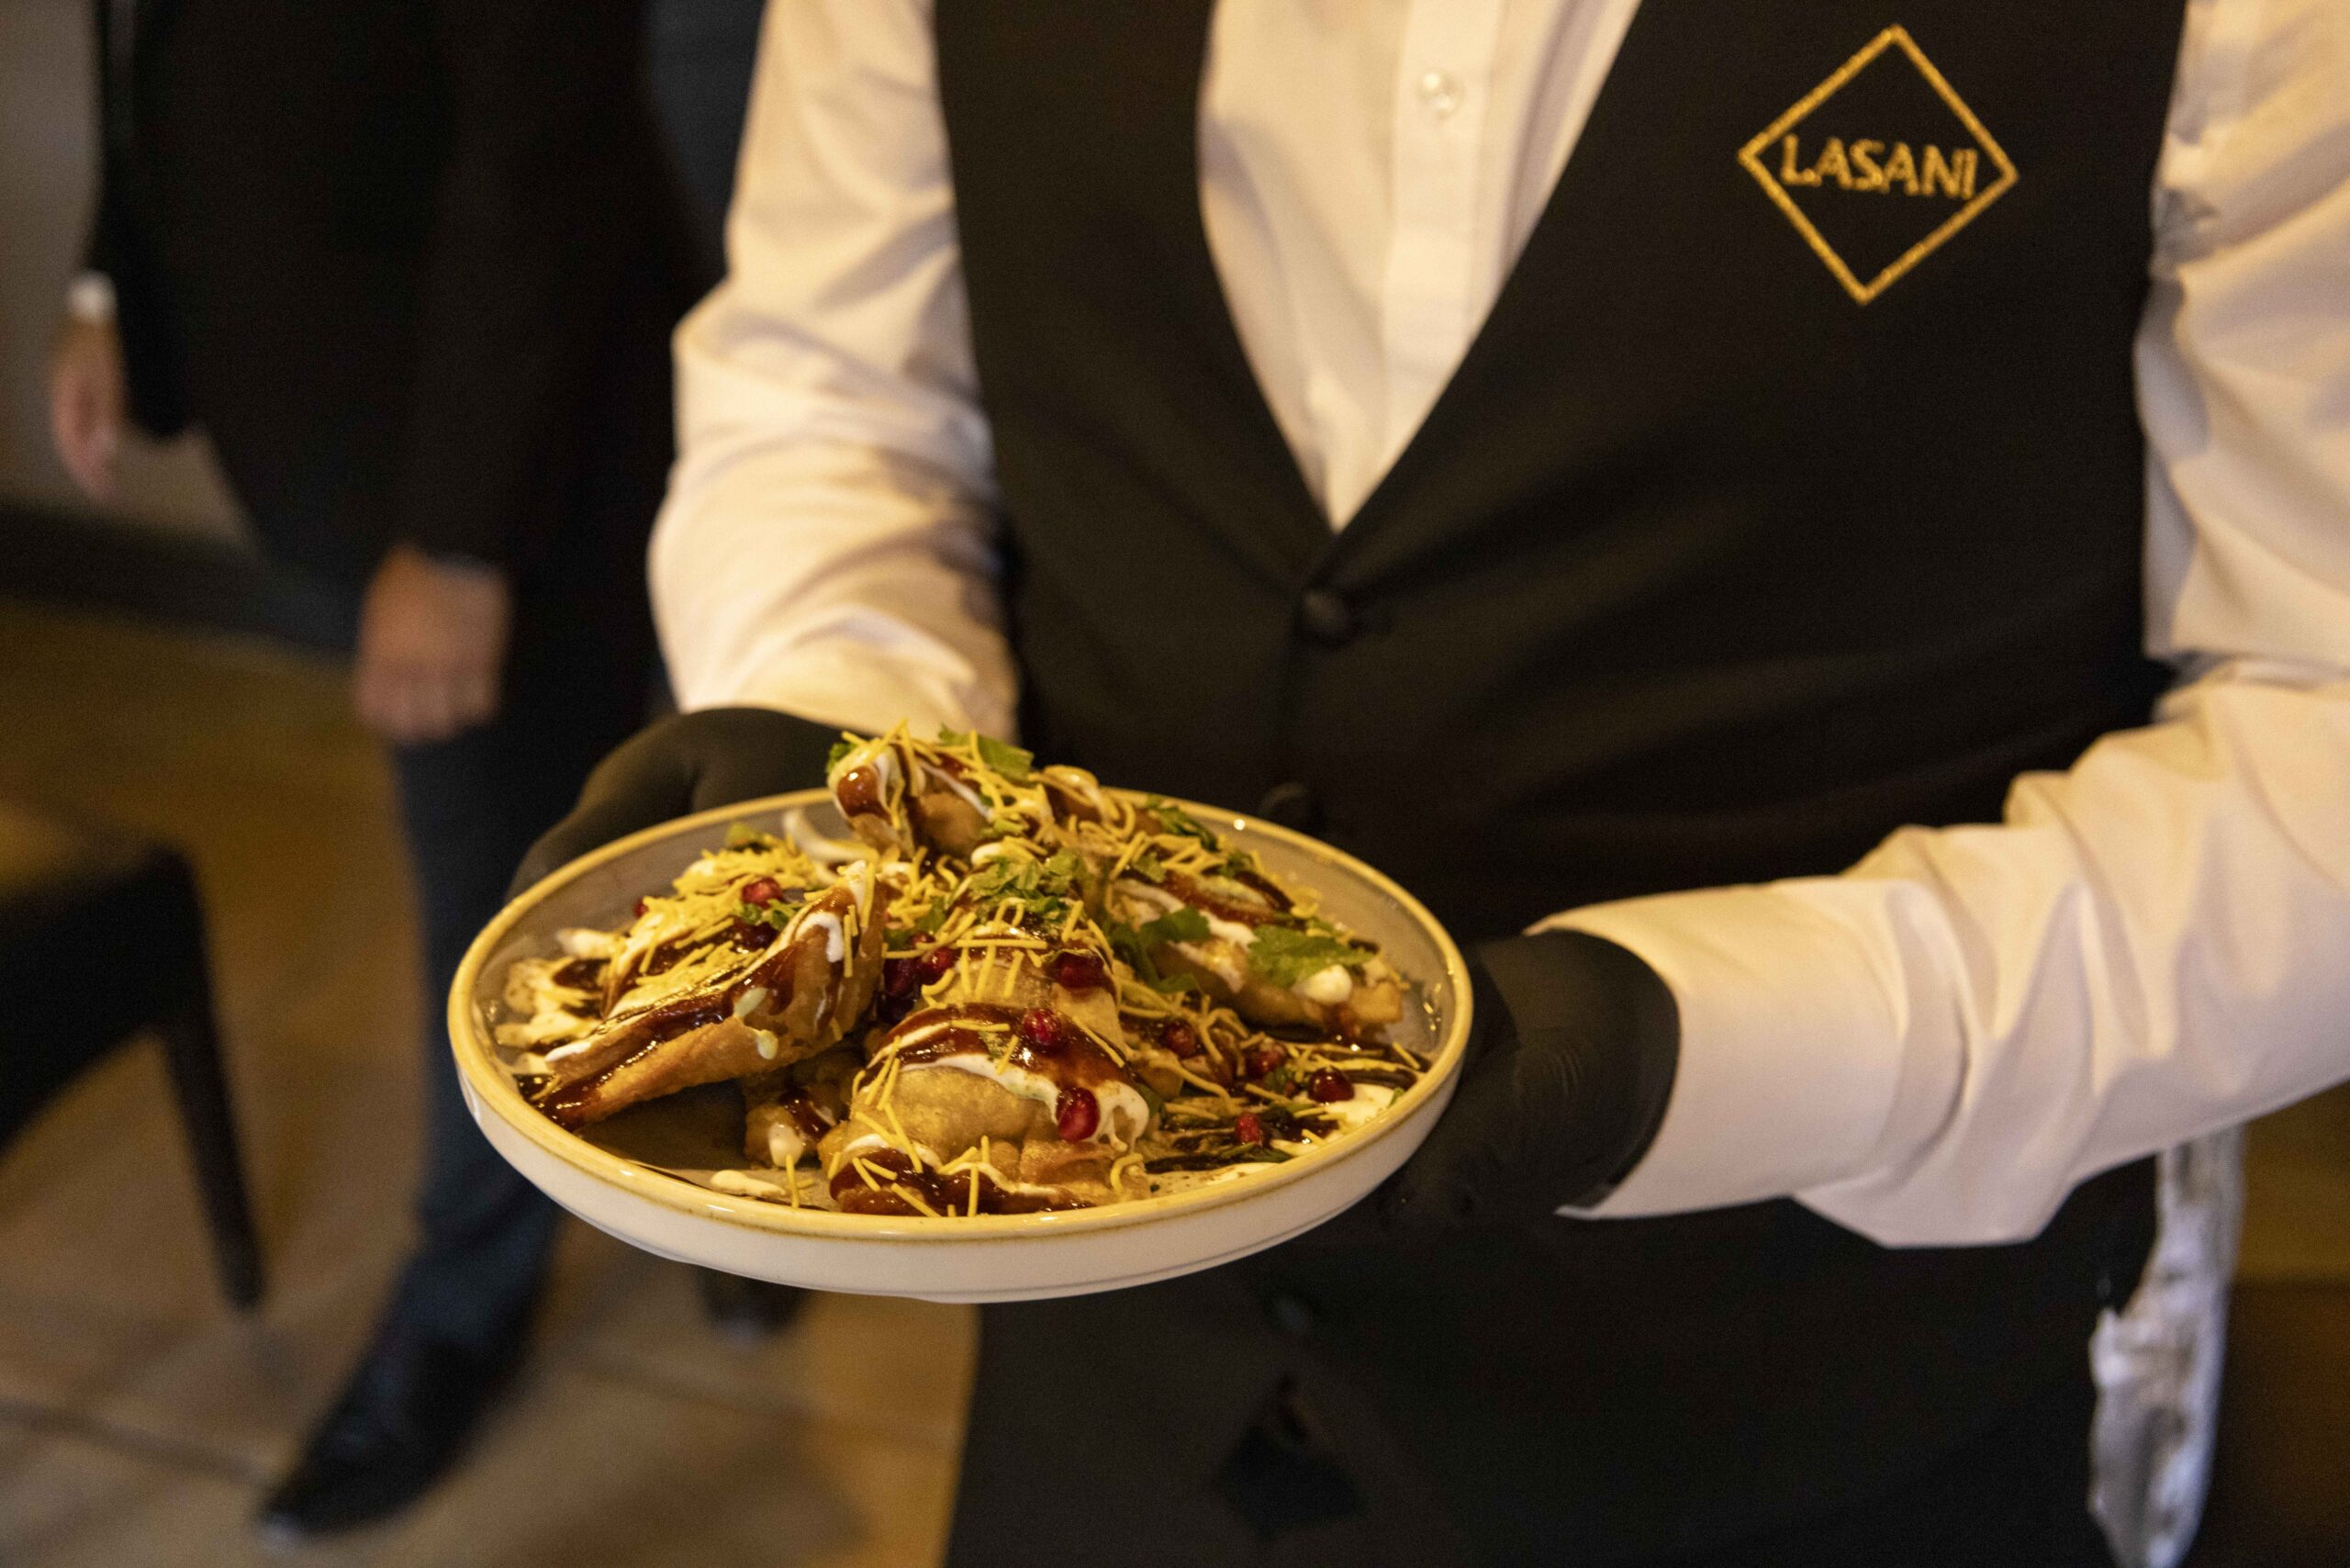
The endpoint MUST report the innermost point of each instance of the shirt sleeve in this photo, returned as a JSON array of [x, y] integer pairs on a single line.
[[828, 544], [1936, 1047]]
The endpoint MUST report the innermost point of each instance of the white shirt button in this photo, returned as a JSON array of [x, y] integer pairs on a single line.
[[1440, 91]]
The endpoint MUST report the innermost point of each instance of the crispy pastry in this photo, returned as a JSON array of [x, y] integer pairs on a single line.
[[1018, 990], [806, 974], [1241, 938]]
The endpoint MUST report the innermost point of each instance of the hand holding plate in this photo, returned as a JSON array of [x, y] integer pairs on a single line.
[[1577, 1040], [687, 762]]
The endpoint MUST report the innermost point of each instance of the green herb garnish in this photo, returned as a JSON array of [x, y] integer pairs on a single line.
[[1284, 956], [1172, 818], [1001, 756], [1184, 925]]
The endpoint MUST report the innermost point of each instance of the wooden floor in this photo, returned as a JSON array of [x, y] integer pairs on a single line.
[[140, 1419]]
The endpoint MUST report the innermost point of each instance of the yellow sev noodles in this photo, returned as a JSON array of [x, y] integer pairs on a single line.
[[1006, 914]]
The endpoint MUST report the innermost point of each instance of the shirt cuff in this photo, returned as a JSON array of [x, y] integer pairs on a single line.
[[1792, 1029]]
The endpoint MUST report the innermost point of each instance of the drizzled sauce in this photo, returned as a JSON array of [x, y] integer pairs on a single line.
[[1262, 884], [1208, 902], [859, 791], [1079, 1063], [661, 1024], [580, 974], [944, 1193]]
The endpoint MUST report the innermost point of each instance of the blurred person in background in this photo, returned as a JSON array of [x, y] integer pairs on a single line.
[[412, 266]]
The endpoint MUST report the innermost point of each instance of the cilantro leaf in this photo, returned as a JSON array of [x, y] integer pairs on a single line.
[[839, 754], [1012, 761], [740, 834], [1172, 818], [1128, 945], [1046, 887], [1184, 925], [1004, 758], [1005, 878], [1284, 956]]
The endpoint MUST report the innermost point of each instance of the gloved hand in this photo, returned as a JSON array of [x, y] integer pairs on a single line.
[[1577, 1040], [688, 762]]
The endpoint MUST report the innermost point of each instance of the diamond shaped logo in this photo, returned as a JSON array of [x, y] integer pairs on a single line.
[[1879, 165]]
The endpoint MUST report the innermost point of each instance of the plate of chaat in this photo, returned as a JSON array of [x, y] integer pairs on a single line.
[[959, 1025]]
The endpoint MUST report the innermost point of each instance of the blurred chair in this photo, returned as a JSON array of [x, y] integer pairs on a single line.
[[102, 939]]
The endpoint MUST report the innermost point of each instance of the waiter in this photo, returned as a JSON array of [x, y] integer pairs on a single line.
[[413, 267], [1642, 462]]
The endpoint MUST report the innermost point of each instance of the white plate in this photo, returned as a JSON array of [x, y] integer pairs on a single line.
[[610, 1176]]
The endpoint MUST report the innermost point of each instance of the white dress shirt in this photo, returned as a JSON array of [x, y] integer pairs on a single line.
[[1931, 1049]]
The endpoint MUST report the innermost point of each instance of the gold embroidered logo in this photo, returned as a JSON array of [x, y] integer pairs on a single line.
[[1879, 165]]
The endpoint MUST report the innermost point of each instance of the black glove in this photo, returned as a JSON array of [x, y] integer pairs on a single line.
[[1577, 1040], [688, 762]]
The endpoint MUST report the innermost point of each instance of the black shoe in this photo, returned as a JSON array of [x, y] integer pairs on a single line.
[[747, 1311], [402, 1420]]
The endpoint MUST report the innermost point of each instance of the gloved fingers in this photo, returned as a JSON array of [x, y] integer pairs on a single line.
[[685, 763], [742, 754], [645, 781], [1504, 1149]]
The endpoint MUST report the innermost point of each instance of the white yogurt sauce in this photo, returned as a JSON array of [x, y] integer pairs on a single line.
[[785, 1144], [1329, 987], [836, 940], [1125, 1113]]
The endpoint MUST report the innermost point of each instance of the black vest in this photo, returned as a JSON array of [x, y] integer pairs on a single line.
[[1703, 568]]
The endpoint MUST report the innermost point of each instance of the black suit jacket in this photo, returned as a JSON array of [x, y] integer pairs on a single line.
[[390, 254]]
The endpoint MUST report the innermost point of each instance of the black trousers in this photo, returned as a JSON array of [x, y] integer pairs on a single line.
[[471, 807], [578, 679]]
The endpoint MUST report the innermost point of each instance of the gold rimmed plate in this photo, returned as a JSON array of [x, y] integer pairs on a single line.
[[649, 1175]]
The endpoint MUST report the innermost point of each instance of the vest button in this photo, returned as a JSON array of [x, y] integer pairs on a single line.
[[1327, 619], [1291, 805]]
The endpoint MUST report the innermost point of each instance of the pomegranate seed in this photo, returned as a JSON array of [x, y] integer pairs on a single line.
[[640, 909], [936, 964], [1261, 1060], [761, 889], [1079, 972], [900, 977], [1043, 1029], [1181, 1038], [1329, 1086], [1249, 1128], [1077, 1115]]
